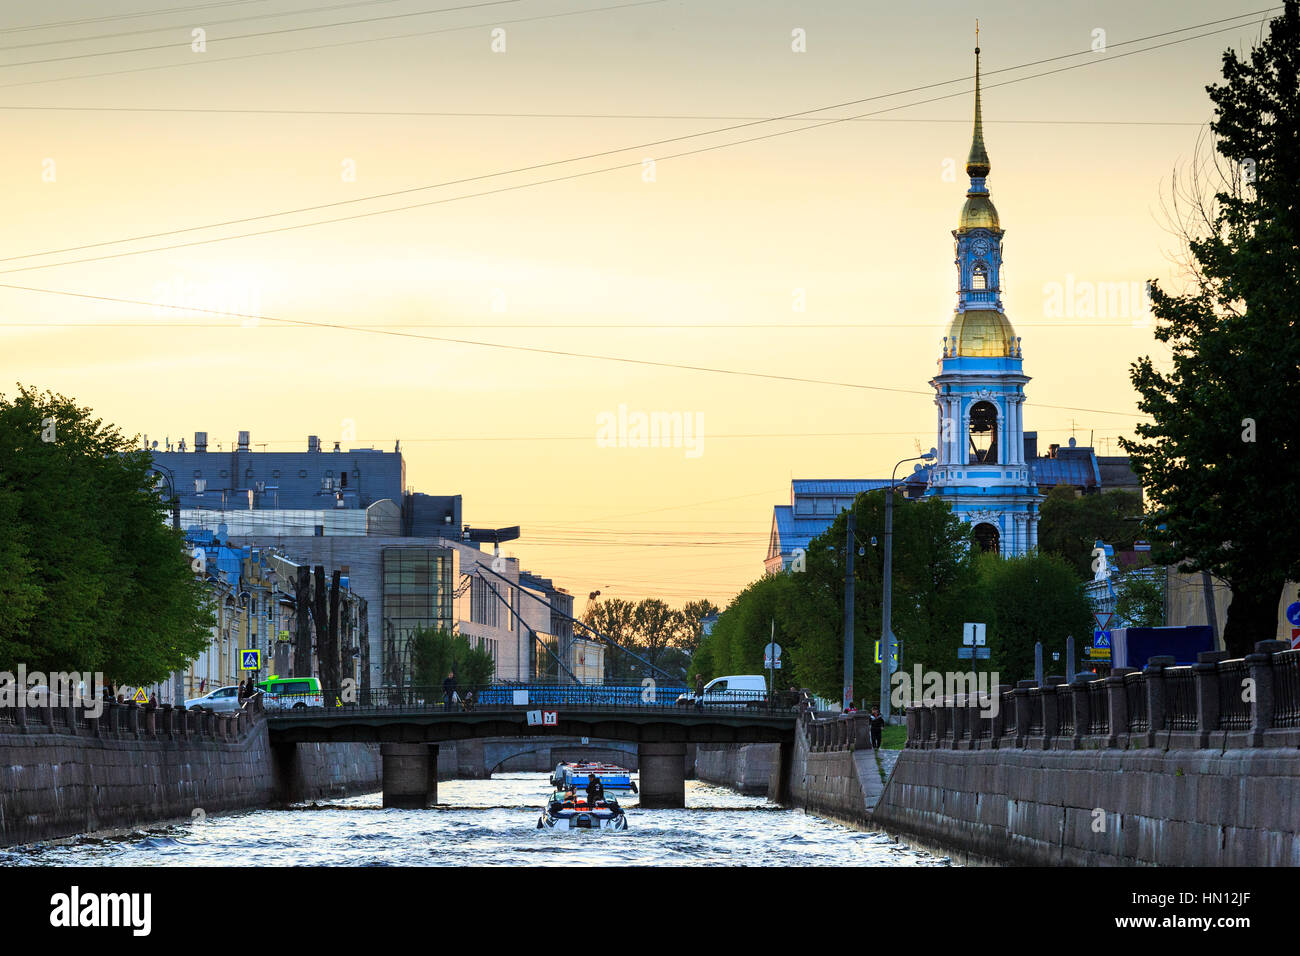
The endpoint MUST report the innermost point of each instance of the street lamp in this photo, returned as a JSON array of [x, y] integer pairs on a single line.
[[886, 623], [173, 501]]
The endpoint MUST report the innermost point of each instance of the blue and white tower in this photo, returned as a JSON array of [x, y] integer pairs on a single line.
[[980, 388]]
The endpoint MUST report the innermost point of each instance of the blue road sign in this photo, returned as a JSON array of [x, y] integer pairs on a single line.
[[1101, 639], [981, 653], [250, 660], [1293, 614]]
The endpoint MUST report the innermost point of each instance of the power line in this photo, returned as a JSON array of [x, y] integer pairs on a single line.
[[655, 326], [444, 114], [51, 25], [538, 166], [627, 360], [326, 46], [252, 36], [205, 23]]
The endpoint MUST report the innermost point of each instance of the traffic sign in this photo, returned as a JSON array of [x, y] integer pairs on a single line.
[[772, 651], [140, 696], [1103, 619], [894, 661], [1293, 614], [980, 653], [972, 635], [772, 665], [250, 660], [1295, 638], [534, 718], [550, 718], [1101, 639]]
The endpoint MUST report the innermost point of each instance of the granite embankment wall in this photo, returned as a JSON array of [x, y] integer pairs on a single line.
[[63, 772], [830, 769], [1184, 766]]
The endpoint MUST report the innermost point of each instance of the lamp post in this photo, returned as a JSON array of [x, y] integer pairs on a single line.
[[886, 622], [173, 501]]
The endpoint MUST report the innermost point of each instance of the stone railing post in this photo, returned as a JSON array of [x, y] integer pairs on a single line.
[[133, 719], [71, 711], [20, 717], [913, 724], [1260, 666], [927, 723], [1051, 712], [941, 717], [1024, 706], [1205, 678], [1082, 708], [1117, 704], [1153, 675]]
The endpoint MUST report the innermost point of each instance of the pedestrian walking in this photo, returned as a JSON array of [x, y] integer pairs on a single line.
[[449, 690], [877, 727], [699, 691]]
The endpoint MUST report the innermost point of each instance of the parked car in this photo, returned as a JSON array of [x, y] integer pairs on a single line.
[[734, 690], [291, 693], [223, 700]]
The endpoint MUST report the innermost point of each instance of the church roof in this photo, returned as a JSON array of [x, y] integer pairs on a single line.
[[980, 333]]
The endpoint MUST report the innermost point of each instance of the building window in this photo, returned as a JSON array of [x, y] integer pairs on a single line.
[[417, 591], [979, 279], [983, 434]]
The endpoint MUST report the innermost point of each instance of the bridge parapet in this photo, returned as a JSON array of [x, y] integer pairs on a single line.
[[1247, 702], [114, 720]]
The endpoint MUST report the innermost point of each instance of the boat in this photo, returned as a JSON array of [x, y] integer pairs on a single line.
[[576, 774], [579, 815]]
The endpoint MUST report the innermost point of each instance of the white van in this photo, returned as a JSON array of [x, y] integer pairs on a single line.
[[734, 690]]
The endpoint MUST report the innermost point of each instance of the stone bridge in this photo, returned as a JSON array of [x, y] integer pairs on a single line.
[[409, 737]]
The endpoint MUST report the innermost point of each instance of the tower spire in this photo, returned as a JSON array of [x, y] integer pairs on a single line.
[[977, 163]]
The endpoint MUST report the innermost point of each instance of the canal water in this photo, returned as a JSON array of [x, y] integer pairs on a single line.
[[488, 823]]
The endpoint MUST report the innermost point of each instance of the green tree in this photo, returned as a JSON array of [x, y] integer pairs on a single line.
[[657, 628], [1140, 598], [1220, 458], [94, 579], [436, 652], [1028, 599], [1071, 524]]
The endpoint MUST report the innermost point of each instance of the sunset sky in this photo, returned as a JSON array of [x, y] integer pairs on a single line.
[[704, 265]]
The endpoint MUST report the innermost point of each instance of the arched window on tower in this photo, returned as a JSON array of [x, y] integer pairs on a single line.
[[987, 537], [979, 277], [983, 435]]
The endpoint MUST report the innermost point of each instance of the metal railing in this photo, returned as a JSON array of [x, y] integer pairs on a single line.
[[1234, 707], [1286, 689], [1135, 699], [1180, 697], [1166, 706], [1098, 708], [524, 697]]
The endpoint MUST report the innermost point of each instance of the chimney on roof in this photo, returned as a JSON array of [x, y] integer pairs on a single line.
[[243, 441], [313, 443], [200, 441]]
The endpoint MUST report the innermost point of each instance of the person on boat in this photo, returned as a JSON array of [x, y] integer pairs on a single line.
[[595, 790]]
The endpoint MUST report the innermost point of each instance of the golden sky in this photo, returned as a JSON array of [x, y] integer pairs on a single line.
[[844, 225]]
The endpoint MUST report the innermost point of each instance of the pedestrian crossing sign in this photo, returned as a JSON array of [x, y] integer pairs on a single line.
[[250, 660], [140, 696]]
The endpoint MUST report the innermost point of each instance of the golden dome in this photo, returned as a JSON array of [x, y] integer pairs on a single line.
[[978, 213], [983, 333]]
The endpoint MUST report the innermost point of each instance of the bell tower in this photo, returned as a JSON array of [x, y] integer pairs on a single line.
[[979, 391]]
